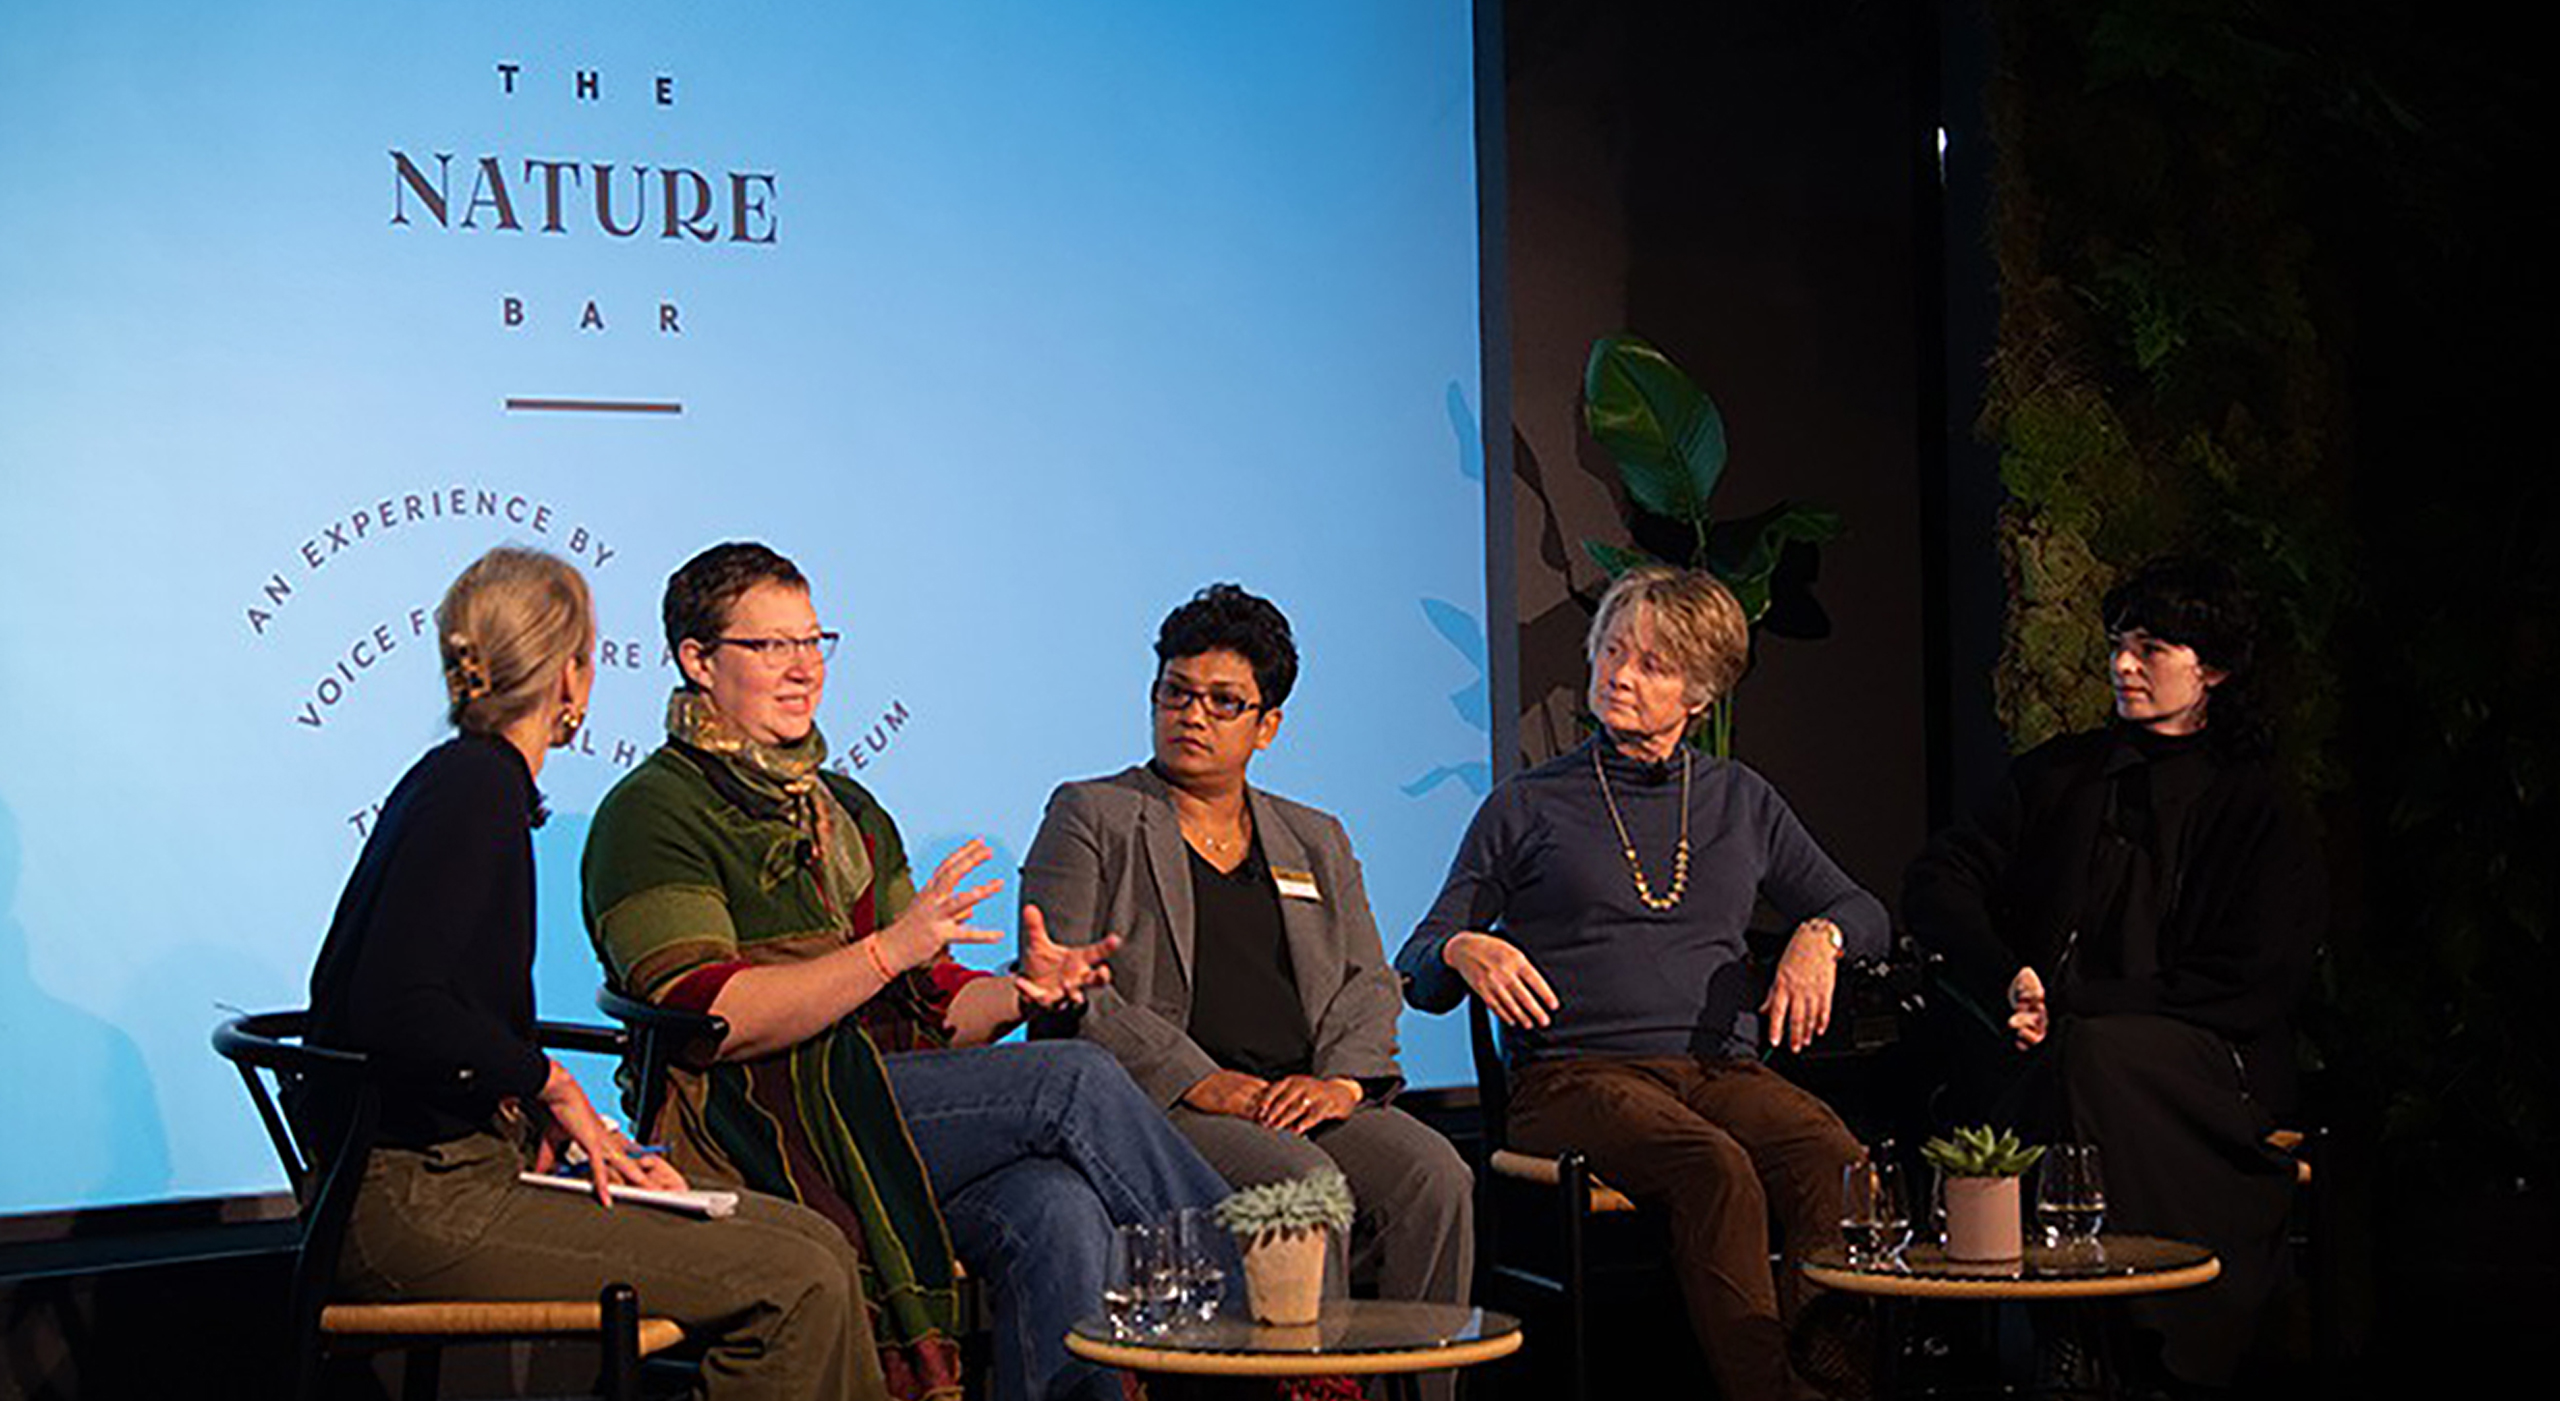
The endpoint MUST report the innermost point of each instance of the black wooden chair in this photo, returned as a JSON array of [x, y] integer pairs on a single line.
[[326, 1168], [1537, 1215], [1553, 1229], [657, 1039]]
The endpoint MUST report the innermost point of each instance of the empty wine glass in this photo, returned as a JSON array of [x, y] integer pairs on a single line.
[[2071, 1194]]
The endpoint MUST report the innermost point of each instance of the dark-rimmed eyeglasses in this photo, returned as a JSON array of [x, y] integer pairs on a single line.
[[779, 652], [1172, 697]]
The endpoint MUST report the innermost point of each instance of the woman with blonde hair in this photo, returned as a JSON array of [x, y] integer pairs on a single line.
[[428, 970], [1598, 904]]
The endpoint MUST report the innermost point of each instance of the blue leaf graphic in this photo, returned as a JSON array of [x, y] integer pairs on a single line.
[[1458, 626], [1462, 421], [1474, 705], [1478, 779]]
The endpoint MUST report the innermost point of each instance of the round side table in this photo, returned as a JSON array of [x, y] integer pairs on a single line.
[[1354, 1337], [2111, 1266]]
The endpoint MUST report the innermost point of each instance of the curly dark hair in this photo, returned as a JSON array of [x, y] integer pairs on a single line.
[[2200, 603], [1224, 618], [700, 595]]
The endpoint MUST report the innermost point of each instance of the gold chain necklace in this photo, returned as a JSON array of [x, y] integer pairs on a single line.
[[1679, 855]]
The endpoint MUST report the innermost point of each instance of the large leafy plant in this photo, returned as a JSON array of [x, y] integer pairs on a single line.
[[1667, 438]]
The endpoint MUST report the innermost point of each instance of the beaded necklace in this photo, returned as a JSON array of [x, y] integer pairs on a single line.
[[1626, 844]]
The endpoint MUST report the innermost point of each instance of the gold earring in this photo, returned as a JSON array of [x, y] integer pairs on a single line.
[[565, 728]]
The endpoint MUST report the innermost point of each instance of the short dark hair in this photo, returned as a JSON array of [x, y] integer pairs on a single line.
[[2200, 603], [1224, 618], [700, 595]]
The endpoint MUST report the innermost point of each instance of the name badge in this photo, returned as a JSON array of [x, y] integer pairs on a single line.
[[1296, 885]]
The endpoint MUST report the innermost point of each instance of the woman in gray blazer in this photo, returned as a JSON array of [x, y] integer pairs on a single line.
[[1250, 995]]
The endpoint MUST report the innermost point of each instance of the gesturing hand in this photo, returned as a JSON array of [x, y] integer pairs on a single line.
[[1498, 972], [1298, 1103], [938, 917], [1049, 973], [2026, 1008], [1798, 1007]]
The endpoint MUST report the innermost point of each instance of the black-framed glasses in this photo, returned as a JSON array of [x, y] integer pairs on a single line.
[[779, 652], [1173, 698]]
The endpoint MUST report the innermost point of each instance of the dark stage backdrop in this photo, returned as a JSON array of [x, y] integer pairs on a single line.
[[1748, 185], [1014, 323]]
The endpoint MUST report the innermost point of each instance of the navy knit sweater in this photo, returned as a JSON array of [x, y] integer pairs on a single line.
[[429, 964], [1541, 867]]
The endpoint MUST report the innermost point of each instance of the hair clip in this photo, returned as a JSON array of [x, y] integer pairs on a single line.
[[465, 679]]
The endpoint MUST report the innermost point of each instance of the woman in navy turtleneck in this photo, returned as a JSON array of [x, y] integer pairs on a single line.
[[1598, 906], [2146, 900]]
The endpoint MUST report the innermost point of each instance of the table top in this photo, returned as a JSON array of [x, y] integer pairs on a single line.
[[1353, 1337], [2109, 1265]]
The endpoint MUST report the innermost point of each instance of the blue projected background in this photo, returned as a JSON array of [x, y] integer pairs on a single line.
[[1012, 323]]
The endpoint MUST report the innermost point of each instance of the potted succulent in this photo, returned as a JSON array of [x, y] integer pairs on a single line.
[[1979, 1171], [1280, 1228]]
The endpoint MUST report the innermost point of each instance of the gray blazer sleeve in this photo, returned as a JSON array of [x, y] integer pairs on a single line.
[[1084, 873], [1355, 1036]]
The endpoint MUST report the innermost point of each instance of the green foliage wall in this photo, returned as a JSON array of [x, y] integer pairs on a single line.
[[2166, 372], [2274, 284]]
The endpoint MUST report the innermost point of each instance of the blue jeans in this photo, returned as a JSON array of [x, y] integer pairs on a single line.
[[1036, 1152]]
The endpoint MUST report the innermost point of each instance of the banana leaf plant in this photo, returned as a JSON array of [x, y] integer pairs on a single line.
[[1667, 438]]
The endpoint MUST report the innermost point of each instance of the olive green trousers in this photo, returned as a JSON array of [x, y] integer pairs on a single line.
[[772, 1291]]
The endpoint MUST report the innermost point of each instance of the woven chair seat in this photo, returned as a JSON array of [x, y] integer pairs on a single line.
[[483, 1319], [1543, 1170]]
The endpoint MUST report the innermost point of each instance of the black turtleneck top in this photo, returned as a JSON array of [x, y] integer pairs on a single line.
[[2134, 873]]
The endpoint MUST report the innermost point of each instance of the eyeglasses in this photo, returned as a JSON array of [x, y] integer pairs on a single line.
[[1173, 698], [779, 652]]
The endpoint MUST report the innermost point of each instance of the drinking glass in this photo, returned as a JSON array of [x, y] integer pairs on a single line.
[[1875, 1211], [1200, 1250], [1138, 1287], [2071, 1194]]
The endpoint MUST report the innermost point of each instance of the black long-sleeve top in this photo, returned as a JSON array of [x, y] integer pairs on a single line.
[[2232, 917], [428, 966]]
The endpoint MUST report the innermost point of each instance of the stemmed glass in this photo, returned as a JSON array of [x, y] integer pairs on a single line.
[[1875, 1211], [2071, 1194], [1200, 1249], [1139, 1289]]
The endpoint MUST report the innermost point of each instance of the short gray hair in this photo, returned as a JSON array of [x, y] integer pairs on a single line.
[[1696, 620]]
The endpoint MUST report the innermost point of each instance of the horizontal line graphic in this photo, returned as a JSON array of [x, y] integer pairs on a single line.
[[517, 404]]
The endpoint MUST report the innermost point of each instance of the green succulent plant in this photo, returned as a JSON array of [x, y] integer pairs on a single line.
[[1978, 1152], [1321, 1198]]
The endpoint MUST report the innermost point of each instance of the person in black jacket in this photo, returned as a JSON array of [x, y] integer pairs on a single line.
[[2146, 900], [428, 969]]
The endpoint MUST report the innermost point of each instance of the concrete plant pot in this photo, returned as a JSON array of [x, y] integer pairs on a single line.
[[1284, 1276], [1983, 1221]]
